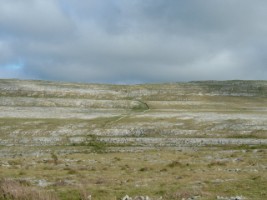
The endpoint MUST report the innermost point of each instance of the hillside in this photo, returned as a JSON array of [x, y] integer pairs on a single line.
[[43, 113], [40, 118]]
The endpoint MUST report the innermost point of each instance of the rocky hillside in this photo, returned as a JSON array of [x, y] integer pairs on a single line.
[[197, 140], [131, 117]]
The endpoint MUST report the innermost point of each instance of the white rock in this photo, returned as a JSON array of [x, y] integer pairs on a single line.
[[126, 198]]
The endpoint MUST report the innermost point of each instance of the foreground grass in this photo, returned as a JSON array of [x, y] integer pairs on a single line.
[[207, 173]]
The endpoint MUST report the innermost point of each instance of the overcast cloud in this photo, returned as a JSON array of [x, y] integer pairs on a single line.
[[133, 41]]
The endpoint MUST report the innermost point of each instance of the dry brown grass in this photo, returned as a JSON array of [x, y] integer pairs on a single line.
[[21, 190]]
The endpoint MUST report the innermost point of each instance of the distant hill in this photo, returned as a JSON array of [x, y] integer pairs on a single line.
[[169, 114]]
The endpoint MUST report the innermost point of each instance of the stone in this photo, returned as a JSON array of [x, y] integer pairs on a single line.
[[126, 198], [237, 198], [142, 198], [230, 198]]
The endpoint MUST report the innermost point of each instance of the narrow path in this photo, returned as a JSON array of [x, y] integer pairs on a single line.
[[122, 117], [126, 115]]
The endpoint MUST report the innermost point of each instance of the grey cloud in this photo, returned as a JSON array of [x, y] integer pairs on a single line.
[[134, 41], [33, 19]]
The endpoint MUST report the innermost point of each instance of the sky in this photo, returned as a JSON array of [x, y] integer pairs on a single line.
[[133, 41]]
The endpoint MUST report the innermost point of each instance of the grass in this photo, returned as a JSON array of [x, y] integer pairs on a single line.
[[243, 147], [95, 144], [21, 190], [175, 164], [167, 173]]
